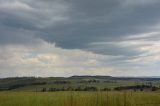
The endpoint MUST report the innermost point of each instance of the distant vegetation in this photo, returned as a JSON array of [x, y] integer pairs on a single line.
[[137, 88], [79, 83]]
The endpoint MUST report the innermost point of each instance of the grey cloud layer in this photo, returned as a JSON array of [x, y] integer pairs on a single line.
[[76, 23]]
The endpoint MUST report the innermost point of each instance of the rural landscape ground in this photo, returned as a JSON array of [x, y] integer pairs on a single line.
[[79, 99], [80, 91]]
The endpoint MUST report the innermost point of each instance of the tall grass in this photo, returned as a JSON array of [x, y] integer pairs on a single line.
[[79, 99]]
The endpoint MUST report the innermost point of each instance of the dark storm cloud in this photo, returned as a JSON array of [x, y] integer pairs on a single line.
[[75, 24], [102, 21]]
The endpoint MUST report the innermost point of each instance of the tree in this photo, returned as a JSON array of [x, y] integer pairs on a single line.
[[44, 90]]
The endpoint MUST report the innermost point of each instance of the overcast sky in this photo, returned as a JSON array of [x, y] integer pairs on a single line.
[[79, 37]]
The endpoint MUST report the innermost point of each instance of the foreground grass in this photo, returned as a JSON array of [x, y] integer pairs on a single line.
[[79, 99]]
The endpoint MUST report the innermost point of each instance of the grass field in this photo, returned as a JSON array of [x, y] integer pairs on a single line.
[[79, 99]]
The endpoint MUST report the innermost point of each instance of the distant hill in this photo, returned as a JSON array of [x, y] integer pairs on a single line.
[[91, 77], [114, 78]]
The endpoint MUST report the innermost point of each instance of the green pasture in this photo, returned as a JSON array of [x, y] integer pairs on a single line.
[[67, 98]]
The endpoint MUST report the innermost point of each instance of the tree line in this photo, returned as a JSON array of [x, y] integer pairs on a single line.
[[92, 88], [87, 88]]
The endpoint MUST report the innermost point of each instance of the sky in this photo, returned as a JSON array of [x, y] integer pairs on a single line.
[[52, 38]]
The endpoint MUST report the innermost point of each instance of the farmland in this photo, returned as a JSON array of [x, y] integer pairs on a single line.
[[80, 91], [78, 83]]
